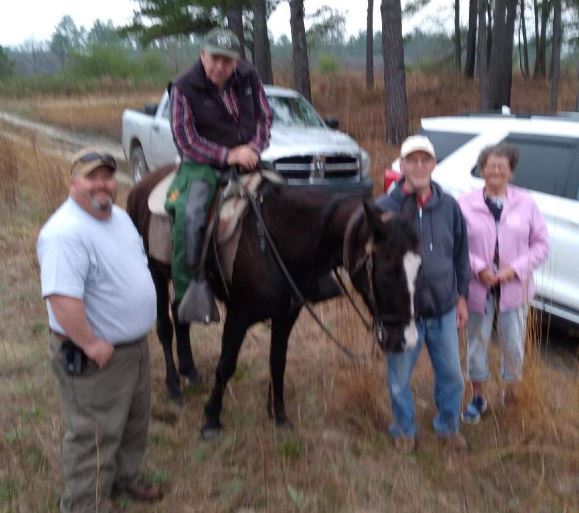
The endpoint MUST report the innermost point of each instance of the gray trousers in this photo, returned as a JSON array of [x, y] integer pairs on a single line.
[[105, 414]]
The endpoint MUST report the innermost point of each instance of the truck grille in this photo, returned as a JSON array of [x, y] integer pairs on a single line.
[[318, 167]]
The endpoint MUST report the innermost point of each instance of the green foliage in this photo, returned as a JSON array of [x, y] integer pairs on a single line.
[[114, 61], [66, 38], [104, 33], [328, 64], [327, 28], [291, 448], [156, 476], [157, 19], [8, 491], [6, 64]]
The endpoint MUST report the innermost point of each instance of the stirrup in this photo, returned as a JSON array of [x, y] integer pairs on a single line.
[[198, 304]]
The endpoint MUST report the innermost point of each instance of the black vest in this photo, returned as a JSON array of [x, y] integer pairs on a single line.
[[212, 120]]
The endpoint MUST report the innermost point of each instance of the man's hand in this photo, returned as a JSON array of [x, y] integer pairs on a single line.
[[461, 312], [243, 156], [71, 315], [487, 277], [100, 352], [506, 274]]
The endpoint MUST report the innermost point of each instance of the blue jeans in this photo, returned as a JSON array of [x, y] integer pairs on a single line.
[[510, 336], [441, 338]]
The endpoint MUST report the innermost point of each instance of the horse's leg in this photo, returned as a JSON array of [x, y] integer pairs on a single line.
[[233, 333], [187, 366], [165, 333], [280, 332]]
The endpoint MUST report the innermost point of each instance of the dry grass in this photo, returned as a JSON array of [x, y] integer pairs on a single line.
[[336, 459], [100, 115]]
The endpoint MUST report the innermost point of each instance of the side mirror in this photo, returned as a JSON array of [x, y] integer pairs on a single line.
[[332, 122]]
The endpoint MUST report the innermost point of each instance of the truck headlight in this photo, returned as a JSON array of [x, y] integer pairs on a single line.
[[365, 163]]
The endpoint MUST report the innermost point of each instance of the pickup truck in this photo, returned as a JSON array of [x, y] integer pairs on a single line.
[[305, 149]]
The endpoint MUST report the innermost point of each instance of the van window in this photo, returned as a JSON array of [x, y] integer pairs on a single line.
[[445, 142], [546, 164]]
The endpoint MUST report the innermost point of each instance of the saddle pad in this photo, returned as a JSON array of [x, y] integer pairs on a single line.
[[158, 195], [160, 244], [229, 224]]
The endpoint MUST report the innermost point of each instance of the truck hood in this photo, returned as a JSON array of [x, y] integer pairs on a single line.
[[291, 141]]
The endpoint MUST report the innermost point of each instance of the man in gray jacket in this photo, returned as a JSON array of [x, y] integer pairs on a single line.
[[441, 291]]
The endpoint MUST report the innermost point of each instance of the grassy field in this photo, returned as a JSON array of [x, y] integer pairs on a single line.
[[338, 457]]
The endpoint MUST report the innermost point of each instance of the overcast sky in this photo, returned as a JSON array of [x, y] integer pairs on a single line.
[[21, 20]]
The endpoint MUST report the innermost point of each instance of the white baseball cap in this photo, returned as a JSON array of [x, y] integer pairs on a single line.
[[416, 143]]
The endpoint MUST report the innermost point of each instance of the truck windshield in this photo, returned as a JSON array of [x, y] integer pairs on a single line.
[[292, 111]]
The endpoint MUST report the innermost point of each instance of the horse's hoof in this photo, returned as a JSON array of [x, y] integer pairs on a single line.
[[175, 395], [194, 379], [177, 401], [283, 423], [210, 433]]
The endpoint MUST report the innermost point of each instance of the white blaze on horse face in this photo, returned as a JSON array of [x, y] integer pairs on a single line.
[[411, 263]]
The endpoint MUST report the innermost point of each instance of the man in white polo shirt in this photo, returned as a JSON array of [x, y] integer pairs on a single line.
[[101, 304]]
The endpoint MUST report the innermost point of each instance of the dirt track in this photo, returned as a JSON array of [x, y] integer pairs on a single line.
[[58, 140]]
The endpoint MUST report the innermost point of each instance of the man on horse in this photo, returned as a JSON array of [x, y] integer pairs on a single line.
[[220, 117]]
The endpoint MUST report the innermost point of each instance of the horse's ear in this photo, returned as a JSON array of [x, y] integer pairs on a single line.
[[369, 211], [375, 217]]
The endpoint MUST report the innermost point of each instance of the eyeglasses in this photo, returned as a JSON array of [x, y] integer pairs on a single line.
[[106, 158]]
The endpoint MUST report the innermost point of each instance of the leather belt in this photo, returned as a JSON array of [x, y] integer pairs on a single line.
[[62, 338]]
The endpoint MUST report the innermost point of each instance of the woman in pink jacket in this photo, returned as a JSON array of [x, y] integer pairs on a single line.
[[507, 240]]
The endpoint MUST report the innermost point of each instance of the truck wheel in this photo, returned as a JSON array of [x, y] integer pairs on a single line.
[[138, 164]]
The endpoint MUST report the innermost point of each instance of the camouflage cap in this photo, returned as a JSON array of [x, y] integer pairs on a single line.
[[220, 41], [87, 160]]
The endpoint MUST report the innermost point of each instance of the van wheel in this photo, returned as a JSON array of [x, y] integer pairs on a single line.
[[138, 164]]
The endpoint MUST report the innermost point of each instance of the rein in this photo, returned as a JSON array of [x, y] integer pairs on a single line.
[[366, 260], [292, 284]]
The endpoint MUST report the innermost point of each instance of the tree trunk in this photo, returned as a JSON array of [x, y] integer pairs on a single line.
[[536, 17], [471, 40], [457, 45], [489, 30], [394, 74], [496, 64], [261, 48], [300, 48], [370, 46], [507, 75], [541, 59], [556, 56], [525, 67], [483, 56], [235, 23]]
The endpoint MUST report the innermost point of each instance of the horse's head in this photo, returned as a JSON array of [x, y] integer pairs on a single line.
[[382, 259]]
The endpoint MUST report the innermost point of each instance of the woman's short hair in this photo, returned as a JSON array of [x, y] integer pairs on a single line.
[[510, 151]]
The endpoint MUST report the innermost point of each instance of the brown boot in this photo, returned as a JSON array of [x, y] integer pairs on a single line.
[[455, 442], [140, 491], [405, 444]]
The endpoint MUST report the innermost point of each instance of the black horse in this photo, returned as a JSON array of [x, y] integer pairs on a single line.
[[314, 233]]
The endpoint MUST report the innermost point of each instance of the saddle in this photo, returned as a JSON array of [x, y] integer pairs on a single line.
[[225, 220]]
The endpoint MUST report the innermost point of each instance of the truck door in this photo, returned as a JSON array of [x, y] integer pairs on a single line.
[[163, 150]]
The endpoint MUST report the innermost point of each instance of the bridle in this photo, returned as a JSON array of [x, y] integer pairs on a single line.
[[366, 261]]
